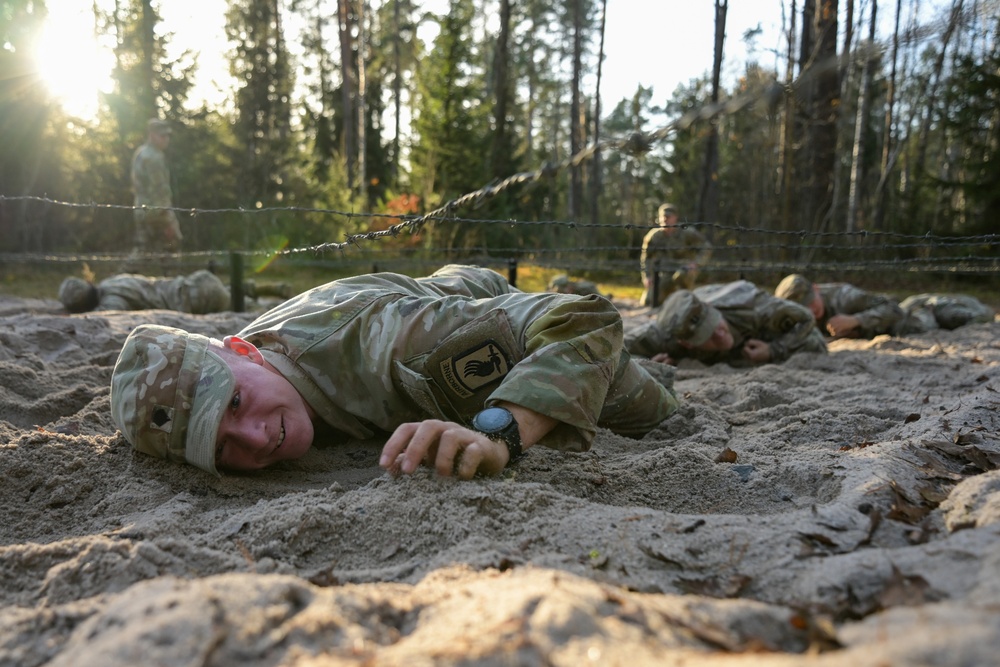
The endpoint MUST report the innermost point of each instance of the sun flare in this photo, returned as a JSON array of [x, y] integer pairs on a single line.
[[70, 63]]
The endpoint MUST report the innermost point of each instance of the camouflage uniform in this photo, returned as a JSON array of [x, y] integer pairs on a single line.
[[750, 312], [668, 251], [199, 293], [372, 352], [563, 285], [876, 313], [926, 312], [155, 230]]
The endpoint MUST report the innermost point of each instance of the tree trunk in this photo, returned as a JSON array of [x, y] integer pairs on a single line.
[[789, 127], [864, 105], [397, 90], [576, 130], [362, 108], [499, 151], [823, 92], [349, 145], [848, 73], [595, 180], [708, 200], [888, 129]]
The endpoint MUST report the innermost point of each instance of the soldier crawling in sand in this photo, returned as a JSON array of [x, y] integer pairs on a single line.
[[199, 292], [737, 323], [563, 284], [841, 309], [463, 370]]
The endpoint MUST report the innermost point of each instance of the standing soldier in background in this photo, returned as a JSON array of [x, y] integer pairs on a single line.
[[674, 253], [156, 226]]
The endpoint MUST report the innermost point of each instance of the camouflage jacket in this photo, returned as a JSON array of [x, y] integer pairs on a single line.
[[876, 313], [199, 293], [673, 248], [150, 177], [925, 312], [751, 312], [375, 351]]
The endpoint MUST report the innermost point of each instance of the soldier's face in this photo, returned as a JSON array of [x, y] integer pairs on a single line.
[[266, 421], [160, 139], [817, 306], [721, 339], [668, 219]]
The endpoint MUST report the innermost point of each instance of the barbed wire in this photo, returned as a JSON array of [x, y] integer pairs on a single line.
[[928, 237], [634, 144]]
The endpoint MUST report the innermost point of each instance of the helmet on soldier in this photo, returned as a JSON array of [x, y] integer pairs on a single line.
[[797, 288], [78, 295], [169, 389], [688, 319]]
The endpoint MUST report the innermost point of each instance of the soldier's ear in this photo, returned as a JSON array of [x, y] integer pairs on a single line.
[[243, 349]]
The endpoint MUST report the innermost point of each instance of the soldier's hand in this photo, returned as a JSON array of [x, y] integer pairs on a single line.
[[756, 351], [450, 448], [843, 326], [663, 358]]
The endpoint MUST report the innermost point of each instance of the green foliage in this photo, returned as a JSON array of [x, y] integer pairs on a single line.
[[972, 117], [277, 144], [260, 61]]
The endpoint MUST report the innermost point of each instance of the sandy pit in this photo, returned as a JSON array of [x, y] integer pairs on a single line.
[[841, 509]]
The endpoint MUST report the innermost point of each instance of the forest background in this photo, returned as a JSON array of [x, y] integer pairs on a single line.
[[866, 151]]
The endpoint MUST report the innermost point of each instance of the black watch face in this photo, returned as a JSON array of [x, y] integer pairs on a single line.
[[492, 420]]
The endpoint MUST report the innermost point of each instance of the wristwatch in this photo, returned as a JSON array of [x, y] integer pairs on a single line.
[[498, 424]]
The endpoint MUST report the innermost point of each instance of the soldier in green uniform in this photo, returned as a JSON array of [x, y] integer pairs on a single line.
[[563, 284], [156, 227], [462, 369], [841, 309], [737, 323], [198, 293], [926, 312], [673, 253]]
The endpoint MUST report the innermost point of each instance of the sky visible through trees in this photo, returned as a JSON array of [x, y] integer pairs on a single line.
[[843, 136]]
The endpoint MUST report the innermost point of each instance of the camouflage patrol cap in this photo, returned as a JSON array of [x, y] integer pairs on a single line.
[[168, 391], [78, 295], [797, 288], [689, 319], [560, 282], [158, 126], [206, 293], [666, 208]]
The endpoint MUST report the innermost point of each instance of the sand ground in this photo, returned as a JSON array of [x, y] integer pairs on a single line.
[[841, 509]]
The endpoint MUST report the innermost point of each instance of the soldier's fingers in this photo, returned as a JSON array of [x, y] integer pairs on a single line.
[[451, 447], [409, 444], [396, 444], [468, 464], [423, 444]]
